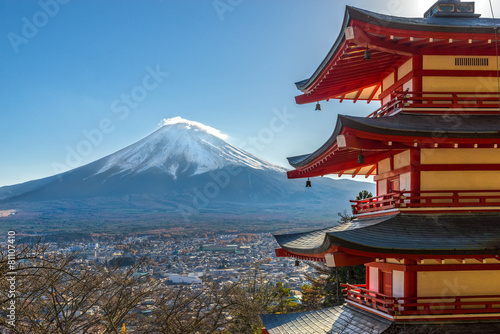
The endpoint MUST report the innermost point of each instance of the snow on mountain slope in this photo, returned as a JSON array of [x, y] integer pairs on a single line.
[[182, 147], [182, 167]]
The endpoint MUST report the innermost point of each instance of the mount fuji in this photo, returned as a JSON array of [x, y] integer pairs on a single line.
[[183, 168]]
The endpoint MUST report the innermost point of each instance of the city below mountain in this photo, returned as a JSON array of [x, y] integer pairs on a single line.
[[184, 171]]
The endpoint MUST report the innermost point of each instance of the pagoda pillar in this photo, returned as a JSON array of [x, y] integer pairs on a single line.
[[417, 69]]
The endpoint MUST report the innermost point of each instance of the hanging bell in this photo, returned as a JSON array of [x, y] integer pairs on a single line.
[[308, 183], [361, 158], [368, 54], [318, 107], [297, 263]]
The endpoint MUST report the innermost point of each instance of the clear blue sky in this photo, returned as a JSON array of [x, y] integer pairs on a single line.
[[71, 68]]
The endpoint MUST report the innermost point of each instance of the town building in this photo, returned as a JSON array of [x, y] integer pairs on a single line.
[[430, 238]]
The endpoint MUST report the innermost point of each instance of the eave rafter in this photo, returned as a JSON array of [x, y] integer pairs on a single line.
[[356, 35], [390, 47], [341, 157], [420, 35], [355, 143], [337, 90]]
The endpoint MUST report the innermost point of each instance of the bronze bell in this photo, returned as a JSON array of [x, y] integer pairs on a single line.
[[318, 107], [361, 158], [308, 183], [297, 263], [368, 54]]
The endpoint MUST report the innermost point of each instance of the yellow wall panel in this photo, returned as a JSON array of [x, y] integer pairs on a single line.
[[402, 159], [405, 68], [448, 63], [458, 283], [384, 166], [460, 155], [388, 81], [460, 180], [405, 181], [459, 84], [398, 286], [373, 283], [381, 187], [408, 85]]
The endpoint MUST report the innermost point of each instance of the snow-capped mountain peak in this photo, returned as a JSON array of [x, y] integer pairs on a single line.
[[182, 147], [189, 124], [165, 176]]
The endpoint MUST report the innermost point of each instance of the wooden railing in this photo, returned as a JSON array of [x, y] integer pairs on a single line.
[[477, 199], [390, 108], [372, 299], [438, 305], [436, 100], [378, 203]]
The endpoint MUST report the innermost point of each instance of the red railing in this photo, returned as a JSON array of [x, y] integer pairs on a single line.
[[416, 100], [390, 108], [372, 299], [477, 199], [378, 203], [422, 305]]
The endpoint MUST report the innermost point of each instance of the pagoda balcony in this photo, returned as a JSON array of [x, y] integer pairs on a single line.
[[429, 201], [422, 308], [439, 102]]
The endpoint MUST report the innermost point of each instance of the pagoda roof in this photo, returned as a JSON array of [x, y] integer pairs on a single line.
[[331, 320], [347, 318], [443, 234], [315, 242], [405, 128], [392, 41], [489, 327], [440, 24], [428, 125]]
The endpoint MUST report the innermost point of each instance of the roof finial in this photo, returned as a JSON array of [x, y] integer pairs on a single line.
[[452, 8]]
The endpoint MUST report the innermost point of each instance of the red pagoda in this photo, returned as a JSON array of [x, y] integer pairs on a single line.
[[430, 238]]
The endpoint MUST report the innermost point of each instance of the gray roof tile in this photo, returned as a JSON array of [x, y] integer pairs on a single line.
[[340, 319], [406, 124], [441, 24], [409, 234]]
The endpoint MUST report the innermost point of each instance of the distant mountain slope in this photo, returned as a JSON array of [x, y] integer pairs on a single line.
[[182, 166]]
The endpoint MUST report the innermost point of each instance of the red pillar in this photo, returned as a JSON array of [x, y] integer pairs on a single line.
[[410, 283], [417, 70], [367, 275], [415, 170]]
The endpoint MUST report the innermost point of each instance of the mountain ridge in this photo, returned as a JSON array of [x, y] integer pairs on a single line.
[[183, 166]]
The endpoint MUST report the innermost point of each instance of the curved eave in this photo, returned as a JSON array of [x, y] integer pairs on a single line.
[[313, 243], [404, 129], [316, 242], [466, 25], [302, 160], [304, 84], [329, 156], [411, 235], [392, 40], [343, 162], [425, 235]]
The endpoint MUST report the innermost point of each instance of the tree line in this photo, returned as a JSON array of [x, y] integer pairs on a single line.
[[57, 293]]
